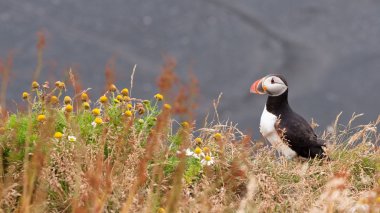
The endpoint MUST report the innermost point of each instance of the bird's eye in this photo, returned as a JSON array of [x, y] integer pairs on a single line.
[[272, 81]]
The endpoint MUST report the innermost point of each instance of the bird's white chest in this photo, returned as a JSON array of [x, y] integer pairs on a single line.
[[268, 130]]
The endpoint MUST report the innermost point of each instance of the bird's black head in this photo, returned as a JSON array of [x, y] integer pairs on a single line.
[[273, 85]]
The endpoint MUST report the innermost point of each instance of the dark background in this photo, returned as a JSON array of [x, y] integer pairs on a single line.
[[329, 50]]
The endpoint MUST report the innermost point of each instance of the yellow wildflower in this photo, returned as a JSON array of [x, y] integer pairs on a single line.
[[198, 151], [69, 108], [54, 99], [98, 120], [58, 135], [86, 105], [35, 85], [161, 210], [96, 111], [61, 85], [25, 95], [84, 97], [67, 100], [129, 106], [185, 124], [198, 140], [128, 113], [159, 97], [41, 118], [103, 99], [125, 92], [167, 106], [119, 98], [218, 136]]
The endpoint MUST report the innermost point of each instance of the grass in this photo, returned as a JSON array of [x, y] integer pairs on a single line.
[[133, 155]]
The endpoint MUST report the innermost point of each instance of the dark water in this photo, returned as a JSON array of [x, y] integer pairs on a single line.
[[329, 50]]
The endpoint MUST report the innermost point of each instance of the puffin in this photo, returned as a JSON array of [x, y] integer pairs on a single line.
[[289, 133]]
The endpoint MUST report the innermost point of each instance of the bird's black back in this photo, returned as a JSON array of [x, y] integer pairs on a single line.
[[297, 131]]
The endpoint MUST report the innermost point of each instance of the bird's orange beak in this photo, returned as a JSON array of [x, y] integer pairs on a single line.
[[257, 87]]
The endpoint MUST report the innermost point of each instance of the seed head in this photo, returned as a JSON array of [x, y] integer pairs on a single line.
[[125, 92], [25, 95], [127, 99], [112, 88]]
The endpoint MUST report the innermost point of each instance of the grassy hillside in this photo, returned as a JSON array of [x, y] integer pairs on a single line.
[[118, 153]]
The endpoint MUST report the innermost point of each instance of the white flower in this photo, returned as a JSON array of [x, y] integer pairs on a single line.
[[198, 153], [93, 124], [189, 152], [72, 138], [207, 160]]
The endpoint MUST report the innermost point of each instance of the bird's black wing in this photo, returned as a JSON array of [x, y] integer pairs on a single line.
[[300, 136]]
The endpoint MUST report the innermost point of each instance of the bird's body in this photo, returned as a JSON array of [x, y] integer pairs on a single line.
[[287, 131]]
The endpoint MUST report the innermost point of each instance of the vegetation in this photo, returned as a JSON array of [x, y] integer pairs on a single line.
[[118, 153]]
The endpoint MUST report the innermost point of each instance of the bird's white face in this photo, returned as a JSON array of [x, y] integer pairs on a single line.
[[270, 84]]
